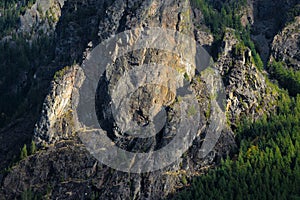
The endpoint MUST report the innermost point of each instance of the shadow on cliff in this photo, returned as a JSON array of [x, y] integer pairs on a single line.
[[269, 18], [78, 25]]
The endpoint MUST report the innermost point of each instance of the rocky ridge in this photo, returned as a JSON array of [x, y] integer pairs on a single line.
[[53, 129], [246, 88], [266, 22], [41, 18], [286, 45], [56, 120], [64, 169]]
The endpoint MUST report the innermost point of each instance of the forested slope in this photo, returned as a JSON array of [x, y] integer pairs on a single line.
[[266, 164]]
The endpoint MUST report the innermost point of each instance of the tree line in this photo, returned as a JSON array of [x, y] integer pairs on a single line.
[[267, 165]]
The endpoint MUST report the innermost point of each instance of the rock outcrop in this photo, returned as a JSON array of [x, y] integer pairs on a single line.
[[248, 95], [268, 18], [64, 169], [286, 45], [56, 122], [41, 18]]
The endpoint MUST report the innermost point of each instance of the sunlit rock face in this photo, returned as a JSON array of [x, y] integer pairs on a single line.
[[64, 169], [286, 45]]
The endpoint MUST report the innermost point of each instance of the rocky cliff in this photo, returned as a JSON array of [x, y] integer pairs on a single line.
[[247, 91], [267, 18], [286, 45], [41, 18], [64, 169]]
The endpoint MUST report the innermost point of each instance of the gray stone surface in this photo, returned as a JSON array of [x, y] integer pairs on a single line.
[[286, 45]]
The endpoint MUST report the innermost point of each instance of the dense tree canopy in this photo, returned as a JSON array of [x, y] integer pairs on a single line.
[[267, 165], [288, 78]]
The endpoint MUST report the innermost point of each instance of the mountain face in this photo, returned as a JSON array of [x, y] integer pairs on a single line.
[[63, 168], [285, 45], [247, 91], [269, 18]]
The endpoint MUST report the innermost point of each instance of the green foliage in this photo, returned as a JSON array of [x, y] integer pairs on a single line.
[[51, 16], [244, 35], [293, 12], [24, 153], [183, 180], [27, 195], [95, 195], [30, 195], [48, 191], [208, 111], [257, 60], [19, 60], [239, 49], [220, 15], [287, 78], [267, 165], [186, 77], [227, 14], [10, 11], [60, 73], [191, 111], [32, 147]]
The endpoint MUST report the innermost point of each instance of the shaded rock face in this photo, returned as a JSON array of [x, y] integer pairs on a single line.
[[146, 101], [21, 130], [54, 168], [56, 121], [32, 24], [41, 18], [77, 29], [246, 88], [64, 169], [286, 45], [268, 18]]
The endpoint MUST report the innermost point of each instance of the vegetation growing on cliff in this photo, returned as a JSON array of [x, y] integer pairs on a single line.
[[219, 16], [10, 11], [267, 165], [288, 78], [19, 60]]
